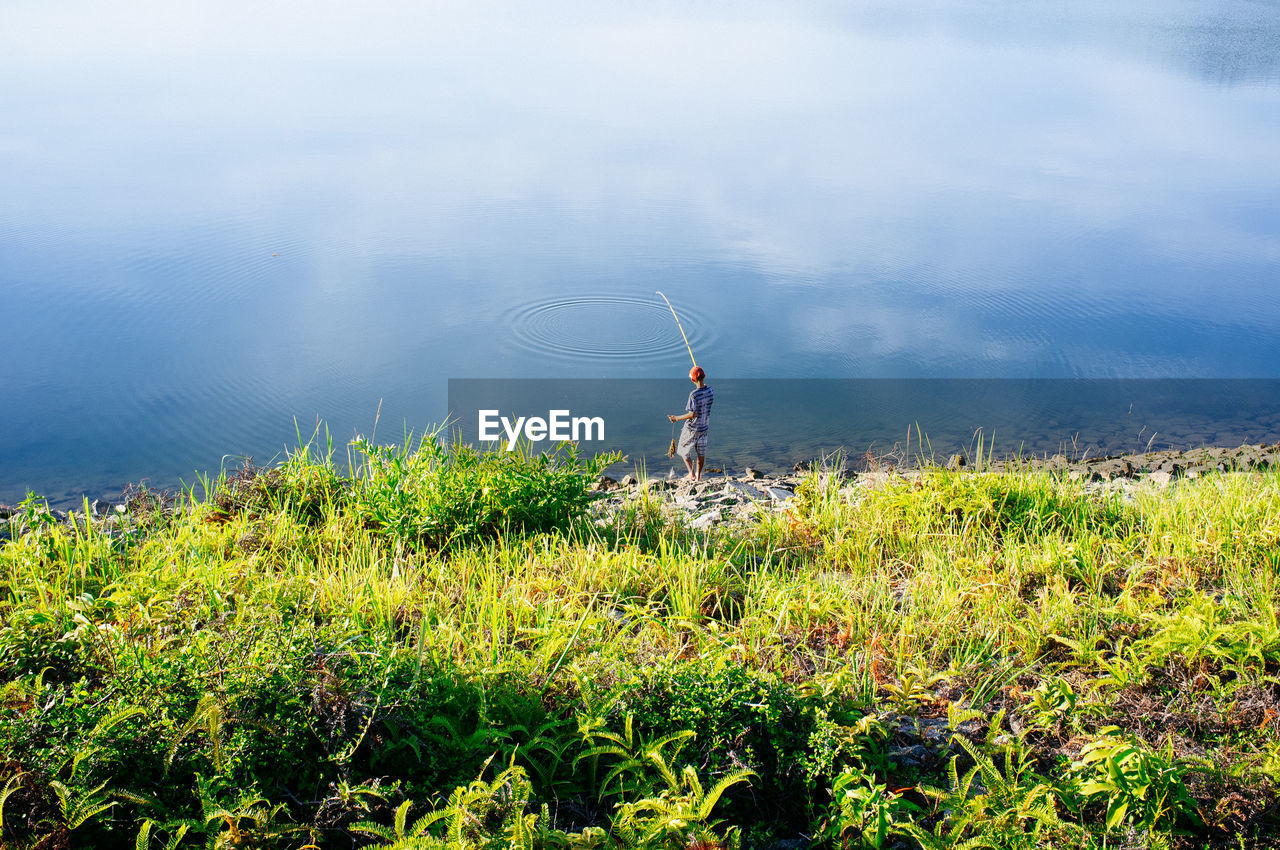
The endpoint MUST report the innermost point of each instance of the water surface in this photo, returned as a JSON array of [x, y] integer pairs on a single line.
[[221, 224]]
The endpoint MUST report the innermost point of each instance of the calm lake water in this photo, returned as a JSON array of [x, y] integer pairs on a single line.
[[219, 219]]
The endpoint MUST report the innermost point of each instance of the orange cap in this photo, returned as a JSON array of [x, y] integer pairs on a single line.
[[696, 373]]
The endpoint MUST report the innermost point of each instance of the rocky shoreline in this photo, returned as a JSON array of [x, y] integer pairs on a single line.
[[724, 497]]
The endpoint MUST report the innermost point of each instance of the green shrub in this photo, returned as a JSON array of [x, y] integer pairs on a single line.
[[741, 718], [864, 811], [437, 496], [1136, 785]]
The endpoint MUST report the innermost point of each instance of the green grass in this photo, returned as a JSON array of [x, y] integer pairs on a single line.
[[447, 648]]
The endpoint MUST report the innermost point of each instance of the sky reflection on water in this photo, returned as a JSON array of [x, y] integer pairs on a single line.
[[217, 217]]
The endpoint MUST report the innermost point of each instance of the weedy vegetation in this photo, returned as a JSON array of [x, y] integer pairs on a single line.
[[444, 648]]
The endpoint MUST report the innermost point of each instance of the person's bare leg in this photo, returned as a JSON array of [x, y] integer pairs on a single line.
[[701, 460], [688, 464]]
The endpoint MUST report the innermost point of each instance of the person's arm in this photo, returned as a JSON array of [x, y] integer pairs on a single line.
[[688, 415]]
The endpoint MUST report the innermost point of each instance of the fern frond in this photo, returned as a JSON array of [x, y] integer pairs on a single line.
[[713, 796], [14, 783]]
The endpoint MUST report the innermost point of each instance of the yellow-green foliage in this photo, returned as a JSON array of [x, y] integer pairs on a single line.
[[301, 617]]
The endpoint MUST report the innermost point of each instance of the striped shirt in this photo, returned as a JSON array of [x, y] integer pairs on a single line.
[[700, 403]]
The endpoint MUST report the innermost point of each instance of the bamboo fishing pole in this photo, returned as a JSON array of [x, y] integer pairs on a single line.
[[671, 452], [680, 326]]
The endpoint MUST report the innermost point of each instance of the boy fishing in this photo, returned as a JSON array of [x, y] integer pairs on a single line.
[[697, 415], [697, 420]]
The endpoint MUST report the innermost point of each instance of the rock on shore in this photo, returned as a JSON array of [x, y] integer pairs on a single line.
[[721, 497]]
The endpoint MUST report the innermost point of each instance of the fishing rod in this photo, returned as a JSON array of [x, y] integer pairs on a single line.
[[671, 452], [680, 326]]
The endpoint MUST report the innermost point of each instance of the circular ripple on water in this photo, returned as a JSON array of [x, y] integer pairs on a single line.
[[605, 326]]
